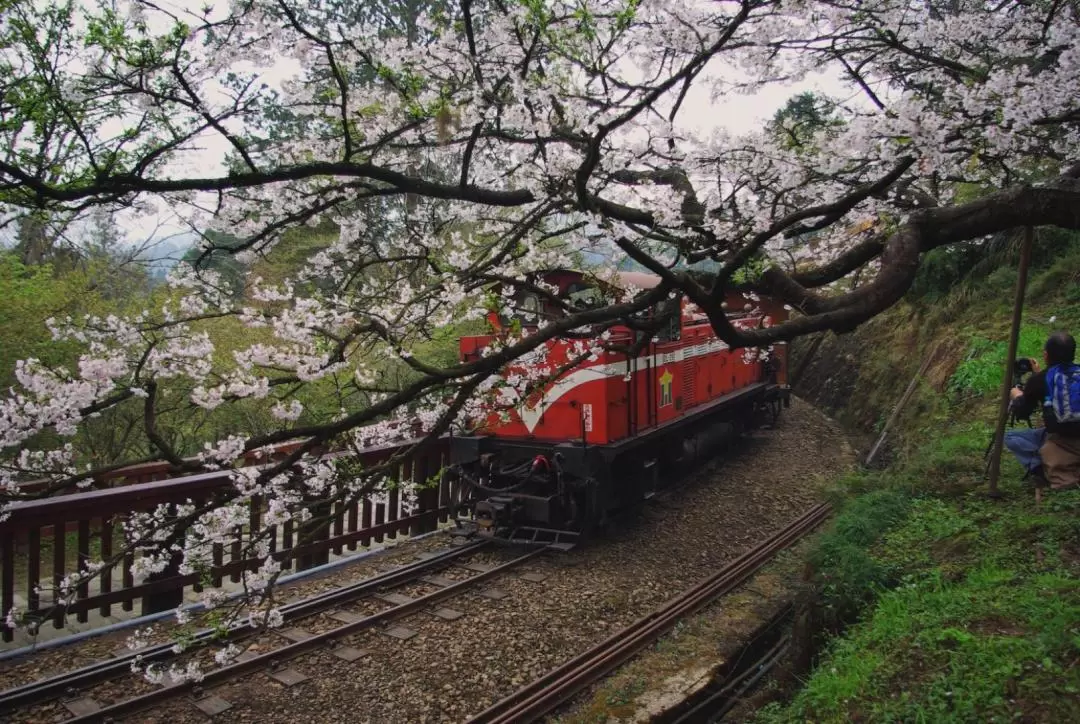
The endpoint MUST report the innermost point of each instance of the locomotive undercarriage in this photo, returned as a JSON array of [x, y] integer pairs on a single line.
[[527, 491]]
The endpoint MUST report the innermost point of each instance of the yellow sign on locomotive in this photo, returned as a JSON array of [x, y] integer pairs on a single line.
[[665, 388]]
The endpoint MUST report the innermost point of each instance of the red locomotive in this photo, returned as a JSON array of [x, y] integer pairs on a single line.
[[600, 425]]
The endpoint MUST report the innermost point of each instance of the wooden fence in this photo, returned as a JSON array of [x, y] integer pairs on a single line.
[[43, 540]]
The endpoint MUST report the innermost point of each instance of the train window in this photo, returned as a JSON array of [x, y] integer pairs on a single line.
[[530, 308], [668, 311], [583, 296]]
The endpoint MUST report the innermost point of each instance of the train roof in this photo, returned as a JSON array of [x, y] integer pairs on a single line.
[[619, 279], [641, 280]]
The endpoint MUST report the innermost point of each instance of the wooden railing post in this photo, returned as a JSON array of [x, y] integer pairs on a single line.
[[164, 599], [314, 530], [7, 581], [418, 471], [168, 598], [427, 498]]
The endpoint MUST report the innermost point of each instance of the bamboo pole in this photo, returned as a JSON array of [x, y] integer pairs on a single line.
[[900, 406], [1010, 361], [805, 361]]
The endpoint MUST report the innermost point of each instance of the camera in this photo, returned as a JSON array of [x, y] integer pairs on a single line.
[[1023, 367]]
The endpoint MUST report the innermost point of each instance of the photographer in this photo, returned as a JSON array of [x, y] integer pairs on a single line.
[[1050, 453]]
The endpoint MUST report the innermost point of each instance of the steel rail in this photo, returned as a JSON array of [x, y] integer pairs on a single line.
[[533, 701], [38, 692], [271, 659]]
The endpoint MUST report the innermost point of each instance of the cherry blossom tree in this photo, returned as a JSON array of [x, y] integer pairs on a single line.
[[478, 143]]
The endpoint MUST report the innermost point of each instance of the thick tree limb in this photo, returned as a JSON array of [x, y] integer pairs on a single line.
[[825, 213], [124, 185], [1056, 203], [842, 265]]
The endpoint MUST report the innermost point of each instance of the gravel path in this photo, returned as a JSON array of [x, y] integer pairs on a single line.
[[454, 669]]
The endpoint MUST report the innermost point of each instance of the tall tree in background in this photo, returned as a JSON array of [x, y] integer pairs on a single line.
[[450, 159], [804, 118]]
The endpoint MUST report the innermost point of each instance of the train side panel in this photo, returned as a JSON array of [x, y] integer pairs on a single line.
[[610, 399]]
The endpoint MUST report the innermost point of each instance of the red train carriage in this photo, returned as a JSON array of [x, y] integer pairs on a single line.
[[597, 435]]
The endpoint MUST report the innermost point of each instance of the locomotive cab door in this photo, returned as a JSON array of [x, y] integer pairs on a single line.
[[666, 384]]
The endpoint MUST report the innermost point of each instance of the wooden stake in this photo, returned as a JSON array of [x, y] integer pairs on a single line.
[[1010, 361]]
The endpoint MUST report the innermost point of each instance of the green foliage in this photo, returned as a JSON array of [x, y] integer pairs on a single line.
[[803, 117], [751, 271], [1061, 279], [981, 371], [849, 577], [219, 258], [987, 269], [947, 463], [31, 295], [942, 269]]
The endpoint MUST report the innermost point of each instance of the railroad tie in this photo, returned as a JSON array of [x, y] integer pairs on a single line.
[[534, 577], [427, 555], [348, 653], [477, 567], [83, 706], [398, 632], [288, 677], [212, 705], [395, 599], [246, 655], [345, 616], [446, 614], [296, 635]]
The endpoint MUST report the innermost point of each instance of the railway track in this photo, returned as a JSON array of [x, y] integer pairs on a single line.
[[537, 699], [75, 687]]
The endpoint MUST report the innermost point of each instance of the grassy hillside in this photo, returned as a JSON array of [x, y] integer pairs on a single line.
[[945, 606]]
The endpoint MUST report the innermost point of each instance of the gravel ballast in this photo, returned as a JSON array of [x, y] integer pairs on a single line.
[[453, 669]]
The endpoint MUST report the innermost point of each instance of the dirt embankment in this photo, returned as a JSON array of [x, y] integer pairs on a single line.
[[858, 378]]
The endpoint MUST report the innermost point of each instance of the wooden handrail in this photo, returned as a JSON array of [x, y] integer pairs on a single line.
[[140, 471], [26, 514]]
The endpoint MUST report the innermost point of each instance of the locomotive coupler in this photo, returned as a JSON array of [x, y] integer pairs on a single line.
[[495, 512]]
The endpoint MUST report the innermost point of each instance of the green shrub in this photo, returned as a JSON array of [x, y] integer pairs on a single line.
[[848, 577]]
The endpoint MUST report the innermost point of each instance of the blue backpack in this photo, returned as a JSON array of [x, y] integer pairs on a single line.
[[1063, 392]]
